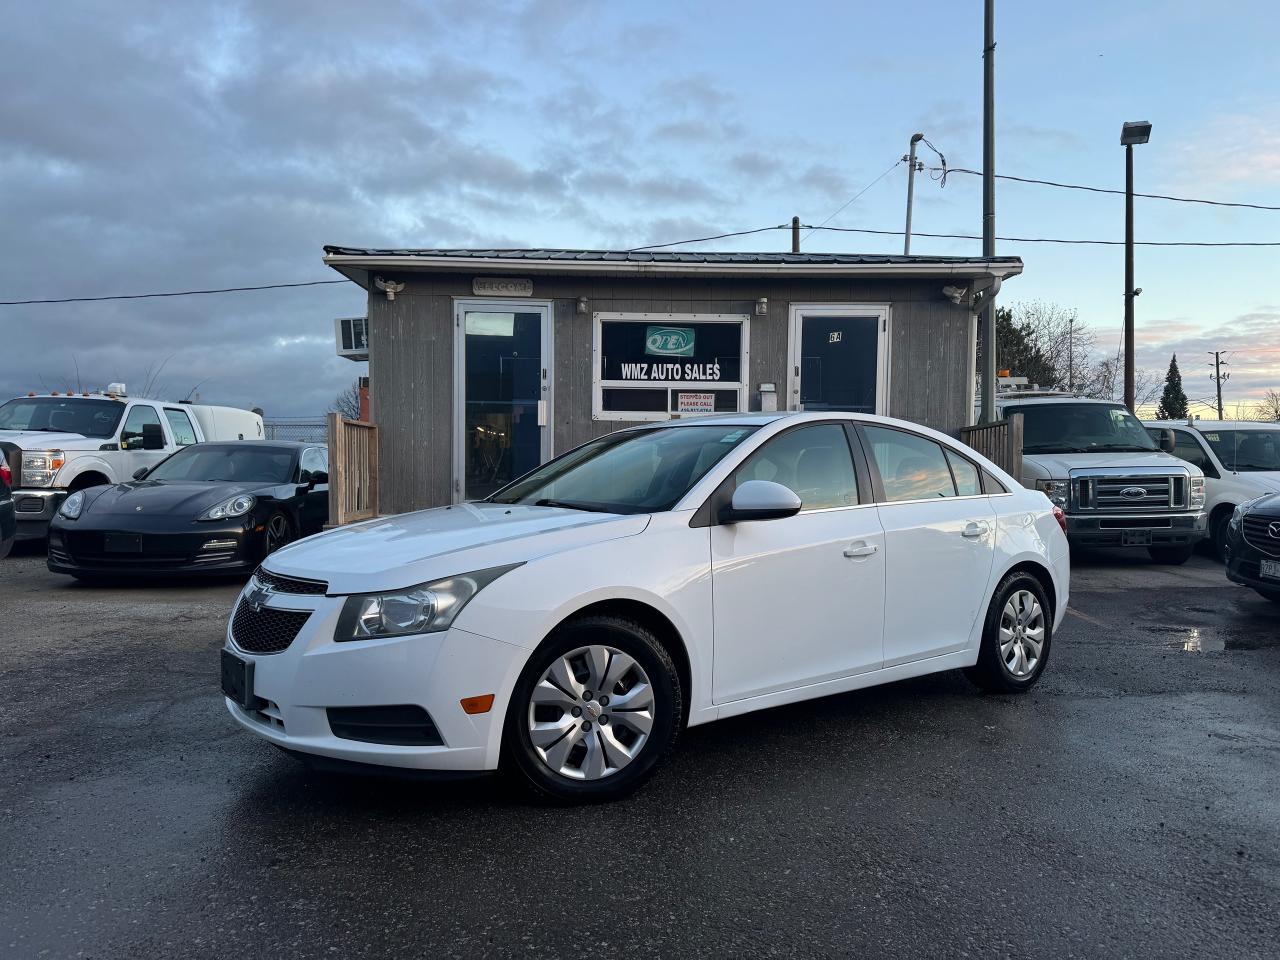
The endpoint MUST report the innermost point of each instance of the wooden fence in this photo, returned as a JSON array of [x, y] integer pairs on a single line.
[[999, 441], [353, 470]]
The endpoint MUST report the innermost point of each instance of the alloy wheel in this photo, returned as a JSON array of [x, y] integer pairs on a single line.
[[591, 712], [277, 533], [1021, 633]]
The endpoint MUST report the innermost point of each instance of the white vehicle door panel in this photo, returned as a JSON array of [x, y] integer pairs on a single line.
[[939, 558], [790, 607]]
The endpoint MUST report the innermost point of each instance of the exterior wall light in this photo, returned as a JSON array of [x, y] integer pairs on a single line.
[[582, 306], [389, 287], [762, 307]]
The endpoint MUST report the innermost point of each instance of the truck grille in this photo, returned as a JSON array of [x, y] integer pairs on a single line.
[[282, 584], [265, 630], [1257, 536], [1120, 494]]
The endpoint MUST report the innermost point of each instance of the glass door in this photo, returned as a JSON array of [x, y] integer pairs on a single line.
[[838, 358], [502, 394]]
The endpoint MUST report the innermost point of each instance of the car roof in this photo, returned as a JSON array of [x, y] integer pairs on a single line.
[[1223, 425], [258, 444], [1009, 399]]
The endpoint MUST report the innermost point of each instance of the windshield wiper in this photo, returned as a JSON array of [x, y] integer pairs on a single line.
[[1049, 448], [570, 505]]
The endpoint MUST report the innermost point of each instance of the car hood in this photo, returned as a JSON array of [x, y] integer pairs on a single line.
[[1268, 505], [44, 440], [1059, 466], [412, 548], [175, 497]]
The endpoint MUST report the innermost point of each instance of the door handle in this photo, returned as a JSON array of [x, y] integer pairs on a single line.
[[860, 549], [975, 530]]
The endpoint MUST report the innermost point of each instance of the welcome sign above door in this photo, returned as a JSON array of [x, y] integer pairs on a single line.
[[501, 287]]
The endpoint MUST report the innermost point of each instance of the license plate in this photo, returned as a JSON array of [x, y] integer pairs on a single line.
[[237, 681], [1135, 538], [122, 542], [1269, 570]]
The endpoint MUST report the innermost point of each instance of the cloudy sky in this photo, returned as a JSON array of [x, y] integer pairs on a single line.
[[175, 145]]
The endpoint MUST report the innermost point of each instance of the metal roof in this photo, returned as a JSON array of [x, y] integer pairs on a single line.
[[663, 256], [355, 262]]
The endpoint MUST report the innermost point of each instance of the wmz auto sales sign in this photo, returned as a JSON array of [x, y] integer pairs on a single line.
[[671, 371]]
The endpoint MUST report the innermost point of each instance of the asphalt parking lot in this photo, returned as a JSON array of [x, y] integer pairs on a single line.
[[1130, 806]]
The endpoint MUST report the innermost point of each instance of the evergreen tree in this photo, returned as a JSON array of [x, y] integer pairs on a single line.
[[1173, 403]]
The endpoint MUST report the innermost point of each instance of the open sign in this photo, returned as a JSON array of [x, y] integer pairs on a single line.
[[668, 341]]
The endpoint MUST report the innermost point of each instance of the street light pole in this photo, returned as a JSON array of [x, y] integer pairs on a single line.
[[1130, 133], [911, 190]]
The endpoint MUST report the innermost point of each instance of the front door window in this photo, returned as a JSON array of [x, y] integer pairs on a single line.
[[503, 384]]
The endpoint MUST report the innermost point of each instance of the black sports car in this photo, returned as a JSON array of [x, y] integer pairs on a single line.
[[209, 508], [1253, 546]]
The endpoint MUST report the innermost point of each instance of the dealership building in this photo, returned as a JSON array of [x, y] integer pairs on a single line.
[[485, 363]]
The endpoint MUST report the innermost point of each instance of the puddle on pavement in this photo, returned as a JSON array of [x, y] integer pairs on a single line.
[[1197, 641], [1203, 640]]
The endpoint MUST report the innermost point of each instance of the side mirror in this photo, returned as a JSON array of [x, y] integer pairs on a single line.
[[152, 437], [1166, 440], [319, 476], [139, 473], [760, 500]]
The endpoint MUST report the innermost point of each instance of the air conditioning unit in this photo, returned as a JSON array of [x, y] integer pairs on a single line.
[[352, 334]]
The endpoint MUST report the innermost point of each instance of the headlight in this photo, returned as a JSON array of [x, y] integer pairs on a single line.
[[1055, 490], [72, 506], [427, 608], [39, 467], [229, 509], [1197, 491]]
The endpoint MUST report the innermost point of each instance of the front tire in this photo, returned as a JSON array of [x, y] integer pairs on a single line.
[[594, 712], [278, 532], [1217, 540], [1016, 636], [1170, 556]]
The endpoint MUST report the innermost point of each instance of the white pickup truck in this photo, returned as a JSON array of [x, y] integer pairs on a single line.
[[1240, 460], [1117, 485], [57, 443]]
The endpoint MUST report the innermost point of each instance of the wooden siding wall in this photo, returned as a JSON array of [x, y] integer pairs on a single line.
[[411, 342]]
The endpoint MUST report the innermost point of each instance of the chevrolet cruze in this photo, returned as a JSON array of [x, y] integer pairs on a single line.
[[567, 628]]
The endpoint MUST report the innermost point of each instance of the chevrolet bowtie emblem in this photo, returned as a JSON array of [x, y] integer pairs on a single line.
[[257, 597]]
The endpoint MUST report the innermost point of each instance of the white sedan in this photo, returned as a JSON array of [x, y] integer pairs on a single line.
[[568, 627]]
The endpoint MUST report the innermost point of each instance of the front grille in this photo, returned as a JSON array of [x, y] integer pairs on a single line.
[[403, 725], [1104, 494], [282, 584], [1257, 536], [265, 630]]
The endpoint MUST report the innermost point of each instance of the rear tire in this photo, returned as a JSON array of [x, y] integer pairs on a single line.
[[590, 748], [1170, 556], [1016, 636]]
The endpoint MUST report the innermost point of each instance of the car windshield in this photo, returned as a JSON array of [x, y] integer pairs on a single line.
[[1081, 428], [635, 471], [240, 464], [83, 415], [1246, 451]]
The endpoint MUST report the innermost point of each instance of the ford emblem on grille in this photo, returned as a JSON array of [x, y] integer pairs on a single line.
[[1133, 493], [257, 597], [1273, 530]]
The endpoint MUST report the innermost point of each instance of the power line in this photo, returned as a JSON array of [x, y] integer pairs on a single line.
[[1076, 186], [1108, 243], [174, 293], [846, 204], [719, 236]]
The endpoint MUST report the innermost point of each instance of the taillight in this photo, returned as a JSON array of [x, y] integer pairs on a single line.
[[1061, 518], [6, 475]]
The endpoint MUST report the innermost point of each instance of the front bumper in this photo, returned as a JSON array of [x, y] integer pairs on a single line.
[[1164, 530], [433, 671], [216, 549], [1244, 565], [34, 509]]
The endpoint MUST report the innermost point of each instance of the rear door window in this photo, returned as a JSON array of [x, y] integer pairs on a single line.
[[911, 467], [183, 433]]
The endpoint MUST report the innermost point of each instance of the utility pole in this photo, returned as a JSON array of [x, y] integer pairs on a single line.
[[1218, 376], [795, 234], [989, 206], [1130, 133], [912, 166]]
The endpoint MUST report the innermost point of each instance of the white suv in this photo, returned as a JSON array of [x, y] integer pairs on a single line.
[[1240, 460]]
